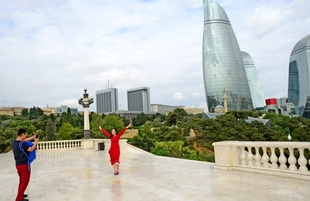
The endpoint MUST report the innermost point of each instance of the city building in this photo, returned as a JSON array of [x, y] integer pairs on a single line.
[[255, 85], [299, 77], [162, 109], [49, 110], [138, 99], [11, 111], [107, 101], [223, 68], [280, 106], [64, 108]]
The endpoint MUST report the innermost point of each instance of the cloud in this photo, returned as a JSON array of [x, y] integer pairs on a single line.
[[52, 49], [196, 95], [178, 96], [69, 103]]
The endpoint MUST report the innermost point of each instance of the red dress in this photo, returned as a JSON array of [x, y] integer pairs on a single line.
[[114, 149]]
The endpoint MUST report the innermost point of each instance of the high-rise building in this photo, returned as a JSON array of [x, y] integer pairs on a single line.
[[107, 100], [223, 68], [138, 99], [255, 85], [299, 77]]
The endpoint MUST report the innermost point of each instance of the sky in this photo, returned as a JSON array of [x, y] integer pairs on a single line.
[[50, 50]]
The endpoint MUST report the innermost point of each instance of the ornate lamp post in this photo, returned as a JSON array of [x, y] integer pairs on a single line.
[[85, 101]]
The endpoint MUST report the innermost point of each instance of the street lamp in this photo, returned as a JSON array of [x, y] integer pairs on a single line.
[[85, 101]]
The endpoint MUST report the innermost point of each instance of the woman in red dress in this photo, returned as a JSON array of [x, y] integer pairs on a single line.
[[114, 149]]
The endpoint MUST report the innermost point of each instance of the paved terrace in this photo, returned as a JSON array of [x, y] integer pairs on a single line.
[[80, 175]]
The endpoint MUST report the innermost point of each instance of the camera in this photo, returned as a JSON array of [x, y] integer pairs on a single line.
[[37, 136]]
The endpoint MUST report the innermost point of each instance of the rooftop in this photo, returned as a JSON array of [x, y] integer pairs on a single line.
[[79, 175]]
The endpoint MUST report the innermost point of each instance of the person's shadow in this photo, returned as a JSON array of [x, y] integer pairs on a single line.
[[116, 189]]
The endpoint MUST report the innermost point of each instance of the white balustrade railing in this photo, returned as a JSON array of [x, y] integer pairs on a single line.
[[62, 144], [79, 144], [278, 158]]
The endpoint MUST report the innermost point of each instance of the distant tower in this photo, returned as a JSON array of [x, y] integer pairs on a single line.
[[225, 102], [139, 99], [299, 77], [222, 62], [255, 85], [107, 100]]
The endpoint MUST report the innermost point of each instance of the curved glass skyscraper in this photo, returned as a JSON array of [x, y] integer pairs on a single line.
[[255, 85], [223, 68], [299, 77]]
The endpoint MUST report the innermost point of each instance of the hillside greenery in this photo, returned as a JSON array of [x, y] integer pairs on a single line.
[[177, 134]]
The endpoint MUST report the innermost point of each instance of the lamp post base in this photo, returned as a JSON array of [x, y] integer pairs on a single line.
[[87, 134]]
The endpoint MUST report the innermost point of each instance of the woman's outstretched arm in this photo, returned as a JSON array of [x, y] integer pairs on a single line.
[[105, 132], [124, 129]]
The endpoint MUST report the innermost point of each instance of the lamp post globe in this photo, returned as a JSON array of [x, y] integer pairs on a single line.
[[86, 101]]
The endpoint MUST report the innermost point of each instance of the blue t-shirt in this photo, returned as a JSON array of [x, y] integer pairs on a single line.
[[19, 156]]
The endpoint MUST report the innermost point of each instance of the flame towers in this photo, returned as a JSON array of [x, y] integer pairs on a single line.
[[299, 77], [223, 68]]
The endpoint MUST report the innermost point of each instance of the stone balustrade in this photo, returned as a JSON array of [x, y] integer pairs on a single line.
[[79, 144], [62, 144], [277, 158]]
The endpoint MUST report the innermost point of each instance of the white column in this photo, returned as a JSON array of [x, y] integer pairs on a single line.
[[292, 160], [282, 159], [302, 161], [86, 119], [257, 157], [273, 158]]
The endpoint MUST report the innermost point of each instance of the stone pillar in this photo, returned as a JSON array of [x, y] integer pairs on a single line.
[[226, 154]]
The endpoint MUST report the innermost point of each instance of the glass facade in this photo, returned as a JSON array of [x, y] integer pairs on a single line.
[[299, 77], [255, 85], [107, 100], [139, 99], [223, 68]]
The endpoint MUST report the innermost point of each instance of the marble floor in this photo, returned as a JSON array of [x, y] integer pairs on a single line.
[[80, 175]]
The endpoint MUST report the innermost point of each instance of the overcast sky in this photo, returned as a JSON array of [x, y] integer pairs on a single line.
[[50, 50]]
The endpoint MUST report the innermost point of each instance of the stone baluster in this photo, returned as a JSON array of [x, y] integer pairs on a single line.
[[243, 156], [250, 157], [302, 161], [273, 158], [265, 158], [292, 160], [257, 157], [282, 159]]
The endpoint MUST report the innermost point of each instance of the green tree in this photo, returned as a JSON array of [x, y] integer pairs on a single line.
[[178, 114], [66, 130], [52, 117], [94, 124], [26, 124], [25, 112], [140, 119], [145, 139], [50, 130], [113, 121]]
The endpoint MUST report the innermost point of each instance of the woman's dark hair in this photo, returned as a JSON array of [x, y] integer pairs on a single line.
[[115, 132]]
